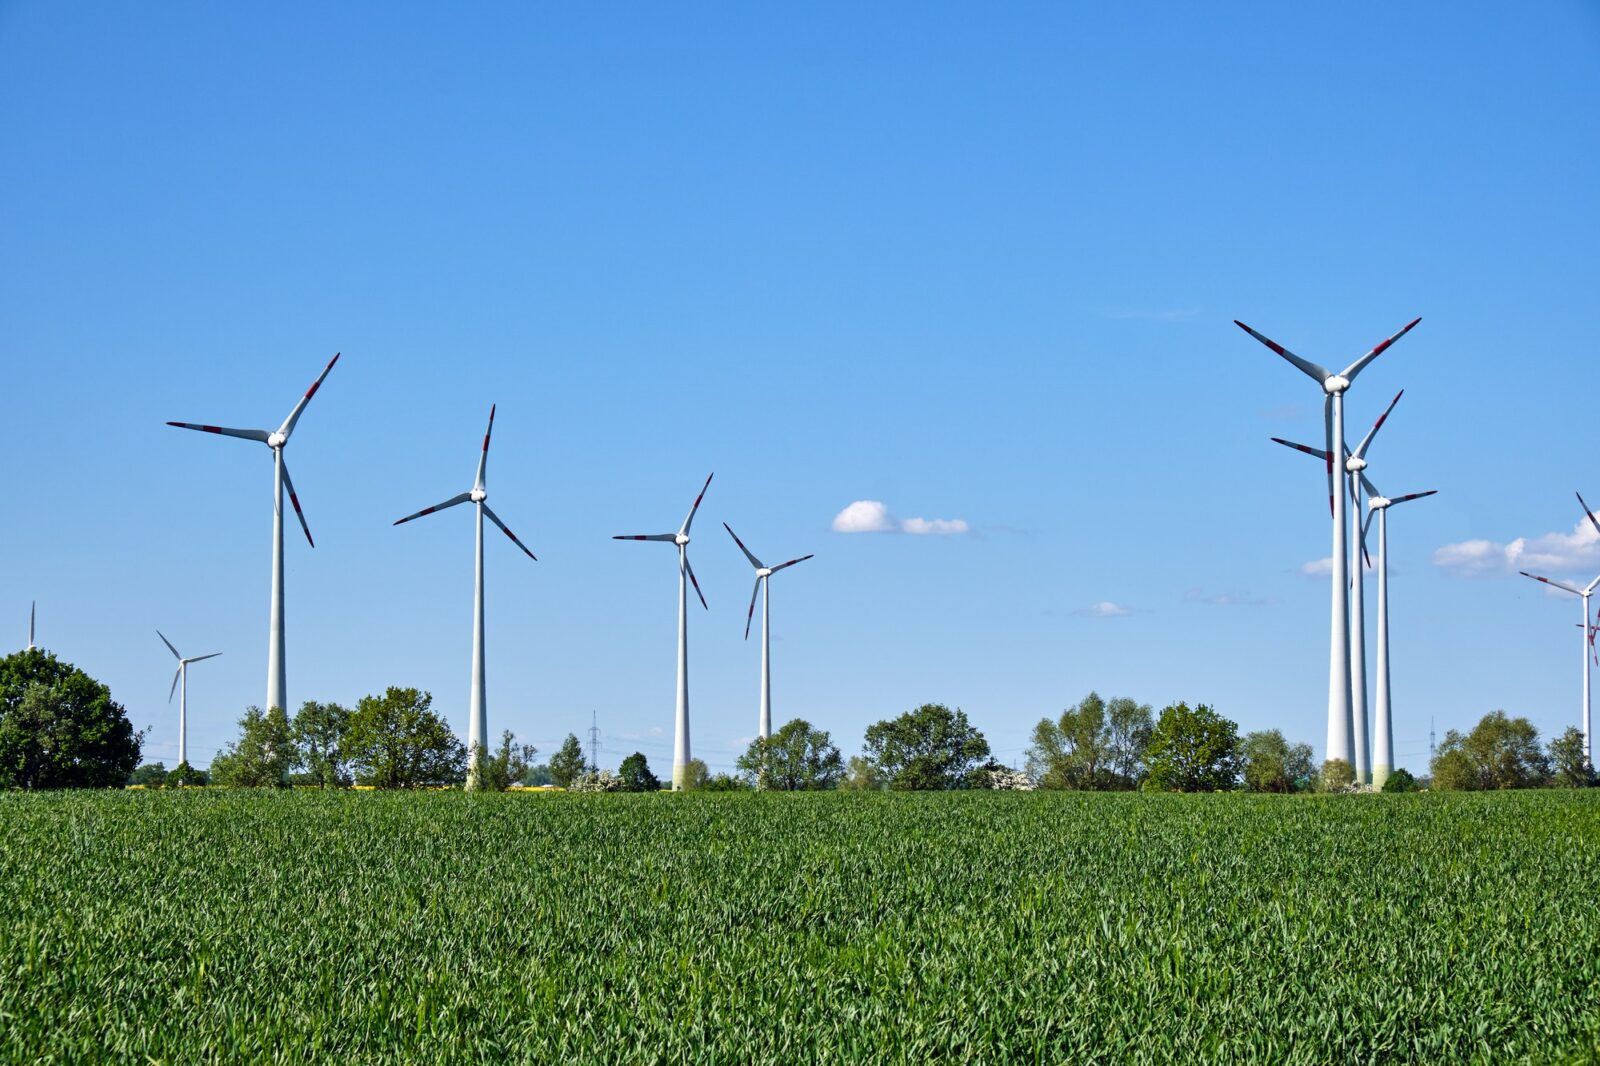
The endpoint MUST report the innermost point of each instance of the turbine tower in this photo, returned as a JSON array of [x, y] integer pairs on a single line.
[[277, 440], [182, 678], [1340, 744], [1583, 646], [763, 573], [680, 736], [32, 609], [1379, 504], [477, 724]]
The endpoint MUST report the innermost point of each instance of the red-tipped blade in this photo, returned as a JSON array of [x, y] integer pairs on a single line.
[[1592, 519]]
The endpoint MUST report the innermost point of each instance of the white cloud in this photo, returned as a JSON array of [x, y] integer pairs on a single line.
[[1548, 554], [1104, 609], [1318, 567], [1226, 599], [872, 516]]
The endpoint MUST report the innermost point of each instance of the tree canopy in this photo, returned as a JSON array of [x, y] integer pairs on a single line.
[[319, 734], [930, 748], [1499, 752], [636, 776], [60, 728], [507, 765], [1272, 764], [397, 741], [568, 763], [796, 758], [1568, 766], [1193, 750], [262, 756], [1093, 745]]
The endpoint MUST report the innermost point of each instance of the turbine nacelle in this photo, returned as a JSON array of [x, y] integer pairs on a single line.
[[1355, 464], [1378, 503], [765, 571], [478, 495], [1335, 384], [277, 439], [681, 540]]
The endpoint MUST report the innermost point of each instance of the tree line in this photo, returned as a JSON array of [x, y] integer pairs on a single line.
[[60, 728]]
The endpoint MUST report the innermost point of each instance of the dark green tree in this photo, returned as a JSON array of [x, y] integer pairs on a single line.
[[1500, 752], [1272, 764], [1193, 750], [506, 765], [262, 756], [1569, 768], [150, 775], [397, 741], [535, 776], [930, 748], [183, 776], [568, 762], [636, 776], [60, 728], [727, 783], [796, 758], [1400, 781], [319, 734]]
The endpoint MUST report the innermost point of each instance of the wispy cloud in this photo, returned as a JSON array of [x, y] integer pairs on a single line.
[[872, 516], [1240, 598], [1318, 567], [1146, 314], [1548, 554], [1104, 609], [1288, 412]]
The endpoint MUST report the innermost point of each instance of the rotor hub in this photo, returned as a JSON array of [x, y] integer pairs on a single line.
[[479, 495], [276, 440], [765, 571], [1378, 503], [1335, 384], [681, 540], [1355, 464]]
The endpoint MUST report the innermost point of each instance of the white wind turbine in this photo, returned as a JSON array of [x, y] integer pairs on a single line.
[[181, 678], [277, 665], [1379, 504], [477, 724], [763, 573], [680, 737], [1340, 744], [1584, 593], [32, 608]]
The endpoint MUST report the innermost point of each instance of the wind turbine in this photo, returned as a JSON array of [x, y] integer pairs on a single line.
[[1583, 646], [1340, 744], [477, 726], [32, 608], [763, 572], [1379, 504], [680, 737], [277, 440], [182, 678]]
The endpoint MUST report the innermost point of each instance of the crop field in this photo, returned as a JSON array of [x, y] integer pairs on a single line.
[[213, 926]]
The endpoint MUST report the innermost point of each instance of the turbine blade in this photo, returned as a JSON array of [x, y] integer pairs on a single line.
[[669, 537], [243, 434], [288, 483], [693, 580], [1366, 525], [1308, 449], [753, 560], [496, 520], [1327, 439], [1592, 519], [687, 522], [750, 614], [791, 562], [1412, 496], [1359, 365], [1549, 581], [294, 416], [1366, 483], [1310, 369], [483, 460], [203, 658], [1361, 449], [170, 648], [451, 502], [174, 688]]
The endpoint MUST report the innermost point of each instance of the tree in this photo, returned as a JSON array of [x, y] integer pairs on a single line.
[[1071, 753], [1337, 775], [930, 748], [1500, 752], [636, 776], [860, 776], [1569, 767], [60, 728], [1193, 750], [149, 775], [506, 766], [262, 756], [696, 774], [727, 783], [568, 762], [1272, 764], [183, 776], [535, 776], [797, 758], [999, 777], [1400, 781], [397, 741], [596, 781], [319, 732], [1131, 727]]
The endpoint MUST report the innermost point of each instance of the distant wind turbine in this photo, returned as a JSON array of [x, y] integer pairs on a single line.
[[32, 608], [763, 574], [277, 440], [477, 724], [181, 679], [680, 738], [1583, 647], [1340, 744]]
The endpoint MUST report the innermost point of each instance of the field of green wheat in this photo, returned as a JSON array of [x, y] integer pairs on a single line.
[[210, 926]]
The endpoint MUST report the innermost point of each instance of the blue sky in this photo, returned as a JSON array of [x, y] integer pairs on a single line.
[[972, 264]]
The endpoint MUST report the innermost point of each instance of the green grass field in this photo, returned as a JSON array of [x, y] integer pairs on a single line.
[[211, 926]]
